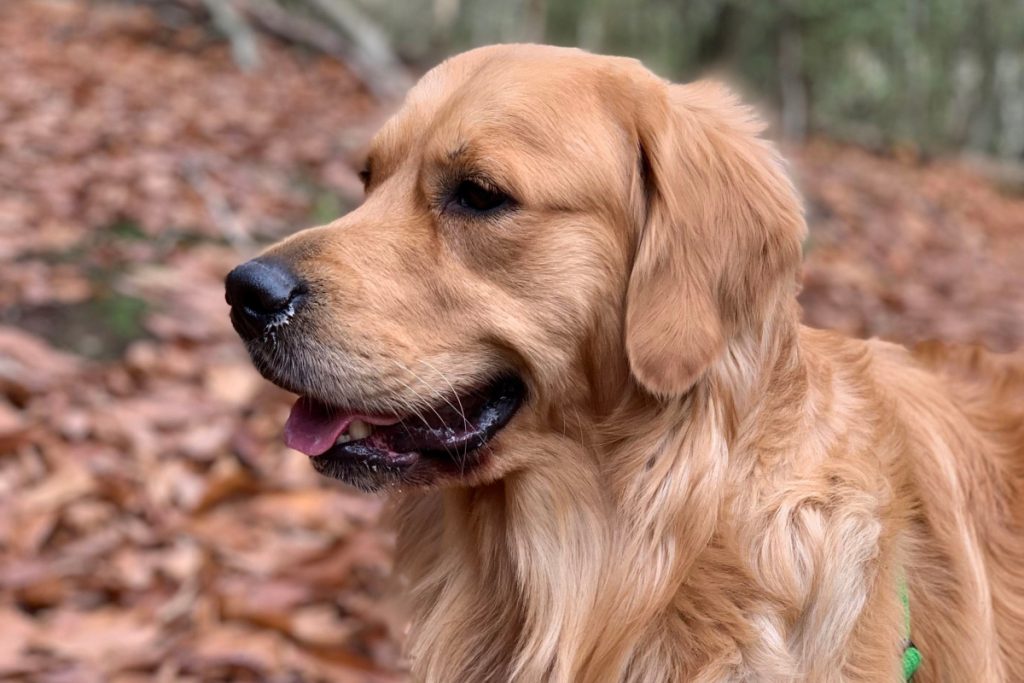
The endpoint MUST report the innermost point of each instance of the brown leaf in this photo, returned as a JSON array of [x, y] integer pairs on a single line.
[[29, 365], [107, 639], [17, 632], [235, 384], [13, 426]]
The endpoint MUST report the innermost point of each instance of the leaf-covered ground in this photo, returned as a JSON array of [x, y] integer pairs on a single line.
[[152, 526]]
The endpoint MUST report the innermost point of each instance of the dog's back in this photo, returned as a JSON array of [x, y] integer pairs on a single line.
[[989, 390]]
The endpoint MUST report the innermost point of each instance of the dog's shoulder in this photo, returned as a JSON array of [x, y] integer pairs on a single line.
[[973, 364]]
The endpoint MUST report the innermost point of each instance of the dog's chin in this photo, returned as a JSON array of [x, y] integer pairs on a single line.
[[448, 443], [370, 472]]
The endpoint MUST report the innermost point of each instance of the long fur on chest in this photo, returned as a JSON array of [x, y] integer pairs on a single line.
[[703, 541]]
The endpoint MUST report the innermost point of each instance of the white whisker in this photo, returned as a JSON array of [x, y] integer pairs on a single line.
[[461, 410]]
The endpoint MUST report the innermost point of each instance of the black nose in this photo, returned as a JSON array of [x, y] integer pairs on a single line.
[[261, 293]]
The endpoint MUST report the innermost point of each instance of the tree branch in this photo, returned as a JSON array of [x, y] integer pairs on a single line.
[[371, 56], [227, 19]]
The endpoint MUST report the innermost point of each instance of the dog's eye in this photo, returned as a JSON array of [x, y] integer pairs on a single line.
[[473, 197], [364, 175]]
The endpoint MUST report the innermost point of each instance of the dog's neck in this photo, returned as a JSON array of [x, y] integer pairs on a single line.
[[555, 572]]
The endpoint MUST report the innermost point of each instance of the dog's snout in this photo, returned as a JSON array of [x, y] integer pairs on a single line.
[[261, 293]]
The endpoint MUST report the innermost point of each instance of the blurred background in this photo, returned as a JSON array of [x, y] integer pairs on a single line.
[[152, 526]]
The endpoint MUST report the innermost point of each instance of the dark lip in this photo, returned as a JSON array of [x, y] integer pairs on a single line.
[[417, 449]]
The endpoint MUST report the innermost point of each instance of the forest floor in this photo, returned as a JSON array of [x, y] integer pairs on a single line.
[[152, 525]]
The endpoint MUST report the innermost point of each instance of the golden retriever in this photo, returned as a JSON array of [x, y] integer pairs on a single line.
[[562, 330]]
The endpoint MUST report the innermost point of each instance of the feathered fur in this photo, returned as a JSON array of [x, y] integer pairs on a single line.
[[699, 488]]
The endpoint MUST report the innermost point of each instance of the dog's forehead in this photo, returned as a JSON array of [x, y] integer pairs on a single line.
[[531, 94], [510, 69]]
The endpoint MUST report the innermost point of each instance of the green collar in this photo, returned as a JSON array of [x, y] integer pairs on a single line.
[[911, 655]]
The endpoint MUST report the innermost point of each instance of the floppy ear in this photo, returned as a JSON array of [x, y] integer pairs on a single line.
[[719, 247]]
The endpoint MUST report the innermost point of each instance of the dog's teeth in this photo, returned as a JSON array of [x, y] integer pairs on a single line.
[[359, 429], [342, 438]]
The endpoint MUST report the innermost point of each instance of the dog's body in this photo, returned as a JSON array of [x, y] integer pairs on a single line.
[[772, 540], [692, 486]]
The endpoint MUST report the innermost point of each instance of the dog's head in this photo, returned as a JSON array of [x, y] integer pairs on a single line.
[[543, 229]]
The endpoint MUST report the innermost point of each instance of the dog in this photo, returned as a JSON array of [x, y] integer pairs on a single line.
[[562, 331]]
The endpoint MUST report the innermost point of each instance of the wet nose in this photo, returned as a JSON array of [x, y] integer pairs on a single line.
[[261, 293]]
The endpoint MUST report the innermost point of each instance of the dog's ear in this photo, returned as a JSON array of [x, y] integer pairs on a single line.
[[719, 247]]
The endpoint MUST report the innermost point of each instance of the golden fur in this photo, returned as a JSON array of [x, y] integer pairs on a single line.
[[698, 488]]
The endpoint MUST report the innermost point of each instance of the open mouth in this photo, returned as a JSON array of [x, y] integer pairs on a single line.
[[358, 447]]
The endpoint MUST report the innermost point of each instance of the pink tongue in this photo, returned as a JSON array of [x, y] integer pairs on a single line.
[[313, 428]]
